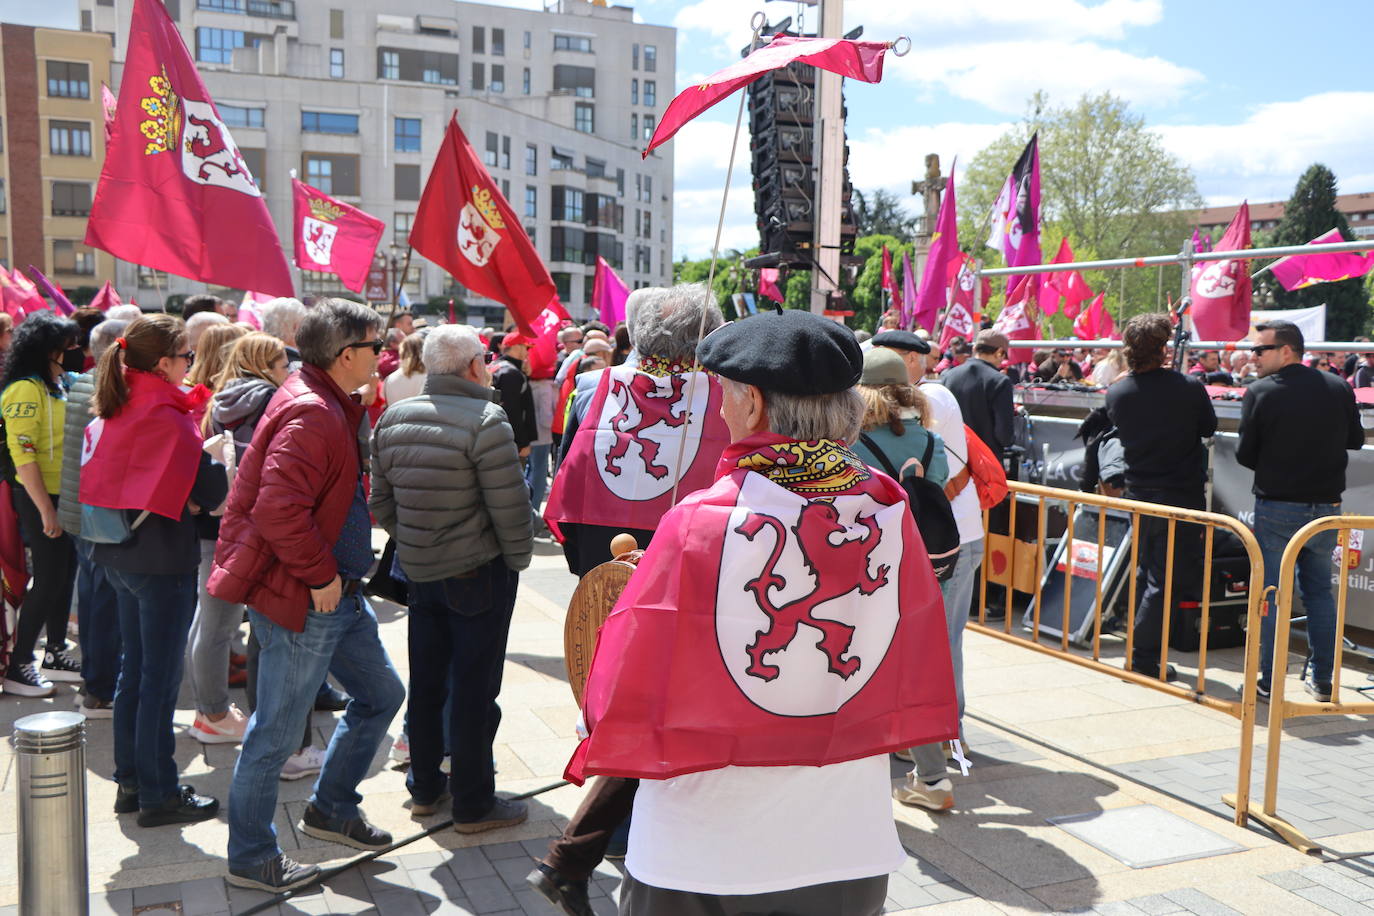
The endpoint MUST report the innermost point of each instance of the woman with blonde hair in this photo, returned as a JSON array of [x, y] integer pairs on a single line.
[[212, 351], [409, 378], [895, 414]]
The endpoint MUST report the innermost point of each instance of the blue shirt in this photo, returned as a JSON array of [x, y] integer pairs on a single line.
[[353, 549]]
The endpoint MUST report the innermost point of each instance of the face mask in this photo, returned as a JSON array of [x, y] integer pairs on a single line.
[[73, 360]]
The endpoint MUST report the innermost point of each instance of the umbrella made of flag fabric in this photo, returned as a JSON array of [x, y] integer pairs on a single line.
[[860, 60]]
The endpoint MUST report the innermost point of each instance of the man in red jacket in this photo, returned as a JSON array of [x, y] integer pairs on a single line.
[[295, 544]]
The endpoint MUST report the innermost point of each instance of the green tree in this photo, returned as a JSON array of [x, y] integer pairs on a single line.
[[881, 212], [1311, 212]]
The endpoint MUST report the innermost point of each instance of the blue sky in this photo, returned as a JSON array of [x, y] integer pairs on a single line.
[[1247, 92]]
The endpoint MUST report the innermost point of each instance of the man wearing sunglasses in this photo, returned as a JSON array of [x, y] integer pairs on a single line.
[[1296, 424], [294, 545]]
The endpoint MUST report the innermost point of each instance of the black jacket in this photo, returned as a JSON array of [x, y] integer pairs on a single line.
[[516, 398], [1295, 427], [984, 397], [1161, 417]]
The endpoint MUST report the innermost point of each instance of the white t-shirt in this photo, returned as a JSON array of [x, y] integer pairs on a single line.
[[398, 386], [948, 421], [755, 830]]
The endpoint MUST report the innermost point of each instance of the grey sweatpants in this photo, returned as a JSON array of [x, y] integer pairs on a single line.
[[207, 648]]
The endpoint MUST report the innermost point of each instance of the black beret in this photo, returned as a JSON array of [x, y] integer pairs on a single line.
[[902, 340], [795, 352]]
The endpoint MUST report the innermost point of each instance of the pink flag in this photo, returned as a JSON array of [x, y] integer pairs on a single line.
[[1016, 215], [860, 60], [768, 284], [908, 319], [609, 293], [1302, 270], [1221, 289], [1016, 320], [52, 291], [1071, 286], [107, 102], [944, 246], [29, 295], [106, 299], [332, 236], [1095, 323], [11, 299]]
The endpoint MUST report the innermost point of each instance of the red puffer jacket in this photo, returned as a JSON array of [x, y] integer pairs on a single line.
[[289, 500]]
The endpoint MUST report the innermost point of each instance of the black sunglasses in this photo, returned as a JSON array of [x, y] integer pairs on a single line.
[[376, 346], [189, 356], [1263, 348]]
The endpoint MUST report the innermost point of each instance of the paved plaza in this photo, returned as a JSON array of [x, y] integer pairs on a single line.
[[1031, 719]]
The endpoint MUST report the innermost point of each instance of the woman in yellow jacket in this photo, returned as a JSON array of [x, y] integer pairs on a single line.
[[33, 402]]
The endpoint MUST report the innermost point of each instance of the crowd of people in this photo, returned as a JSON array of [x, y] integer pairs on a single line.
[[178, 476]]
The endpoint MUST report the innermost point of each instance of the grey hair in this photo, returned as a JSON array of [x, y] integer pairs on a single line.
[[197, 324], [667, 322], [330, 326], [282, 318], [450, 348], [836, 416], [104, 334], [128, 312]]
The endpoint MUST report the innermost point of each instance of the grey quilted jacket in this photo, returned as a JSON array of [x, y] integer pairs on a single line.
[[447, 482], [78, 415]]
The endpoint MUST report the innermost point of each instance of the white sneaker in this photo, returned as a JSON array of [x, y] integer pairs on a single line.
[[228, 730], [936, 796], [400, 748], [302, 764]]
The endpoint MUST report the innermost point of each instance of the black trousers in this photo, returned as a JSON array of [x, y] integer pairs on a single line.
[[48, 600], [858, 897], [1154, 560]]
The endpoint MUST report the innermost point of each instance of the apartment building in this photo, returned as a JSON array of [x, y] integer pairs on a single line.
[[356, 100], [52, 142], [1358, 209]]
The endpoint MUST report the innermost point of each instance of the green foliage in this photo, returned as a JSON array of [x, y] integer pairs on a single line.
[[881, 212], [438, 305], [82, 295], [1311, 212]]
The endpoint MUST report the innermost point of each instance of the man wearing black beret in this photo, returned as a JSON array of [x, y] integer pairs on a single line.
[[912, 348], [782, 633]]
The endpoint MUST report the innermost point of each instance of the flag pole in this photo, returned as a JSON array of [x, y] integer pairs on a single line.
[[400, 284]]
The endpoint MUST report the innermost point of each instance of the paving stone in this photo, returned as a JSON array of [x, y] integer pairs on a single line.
[[1289, 880], [157, 893], [537, 847], [437, 883], [513, 871], [1156, 905], [422, 859], [314, 905], [1195, 901], [113, 903], [204, 897], [1333, 901], [946, 893], [470, 862], [242, 898], [489, 895], [355, 902], [1343, 884], [1117, 908], [503, 851], [906, 894], [402, 902]]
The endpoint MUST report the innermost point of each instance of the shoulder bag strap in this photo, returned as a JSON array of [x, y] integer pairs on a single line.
[[880, 455]]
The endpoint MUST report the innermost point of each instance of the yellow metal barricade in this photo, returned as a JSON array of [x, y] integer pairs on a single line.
[[1025, 561], [1282, 709]]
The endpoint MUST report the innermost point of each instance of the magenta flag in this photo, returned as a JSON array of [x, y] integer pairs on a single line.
[[32, 300], [609, 293], [1016, 215], [860, 60], [908, 311], [768, 284], [1301, 270], [108, 102], [52, 291], [1221, 289], [944, 248]]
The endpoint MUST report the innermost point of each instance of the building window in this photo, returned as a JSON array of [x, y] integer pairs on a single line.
[[4, 208], [69, 138], [648, 224], [620, 182], [634, 58], [400, 229], [525, 81], [531, 159], [650, 93], [648, 189], [567, 204], [634, 92], [328, 122], [572, 43], [565, 244], [336, 24], [634, 127], [256, 160], [407, 182], [505, 188], [479, 76], [648, 127], [584, 118], [562, 282], [391, 65], [498, 42], [332, 173], [71, 198], [498, 78], [67, 80], [216, 46], [241, 116], [650, 58], [69, 257], [479, 39], [596, 168], [407, 135], [560, 161], [531, 202], [492, 150], [528, 41], [411, 65], [336, 63], [578, 81], [505, 152]]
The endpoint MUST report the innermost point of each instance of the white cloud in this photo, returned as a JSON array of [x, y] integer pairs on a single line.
[[695, 214], [892, 159]]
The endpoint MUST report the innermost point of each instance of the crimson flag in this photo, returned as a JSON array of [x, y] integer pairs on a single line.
[[107, 298], [768, 284], [1221, 289], [1017, 321], [860, 60], [466, 226], [543, 353], [1096, 322], [1070, 286], [175, 193], [702, 663], [961, 272], [889, 282], [333, 237]]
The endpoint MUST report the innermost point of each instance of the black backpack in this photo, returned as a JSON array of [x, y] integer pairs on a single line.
[[930, 507]]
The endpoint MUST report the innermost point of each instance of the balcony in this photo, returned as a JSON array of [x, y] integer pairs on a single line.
[[270, 9]]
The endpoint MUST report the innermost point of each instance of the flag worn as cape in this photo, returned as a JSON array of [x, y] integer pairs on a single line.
[[944, 246], [62, 305], [1016, 215], [175, 193], [1221, 289], [466, 226], [609, 293], [623, 460], [119, 469], [1301, 270], [786, 616], [333, 237], [768, 284], [860, 60]]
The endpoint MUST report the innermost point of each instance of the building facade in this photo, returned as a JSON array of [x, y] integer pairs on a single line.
[[1358, 210], [356, 101], [53, 140]]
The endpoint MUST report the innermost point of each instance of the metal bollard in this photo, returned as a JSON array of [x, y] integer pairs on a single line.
[[50, 751]]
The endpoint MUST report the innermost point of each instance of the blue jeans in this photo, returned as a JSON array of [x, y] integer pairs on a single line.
[[154, 617], [537, 473], [291, 666], [97, 617], [957, 592], [1275, 523], [458, 631]]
